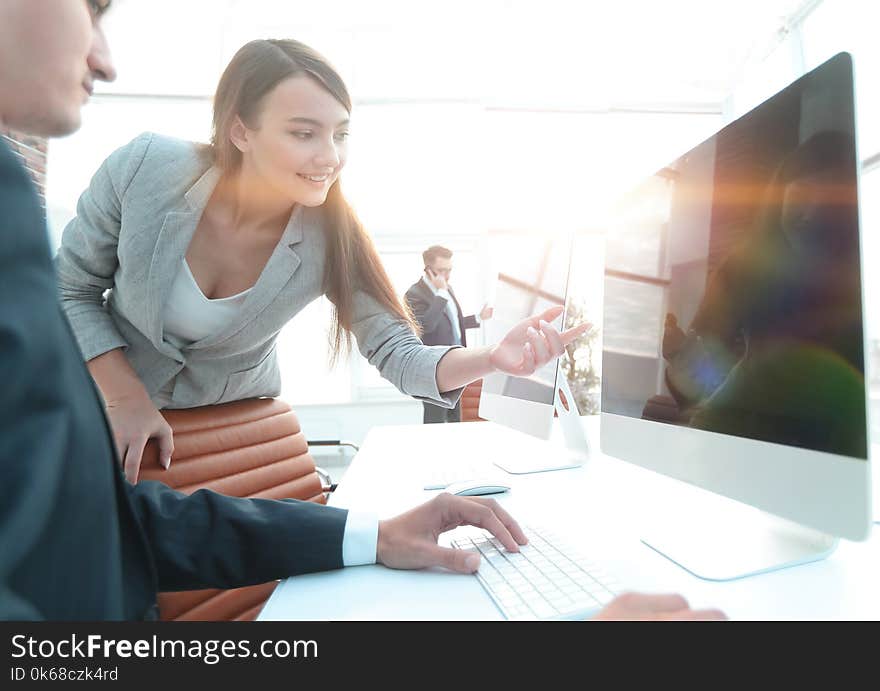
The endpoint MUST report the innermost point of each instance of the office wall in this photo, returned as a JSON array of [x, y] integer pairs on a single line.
[[351, 422], [32, 151]]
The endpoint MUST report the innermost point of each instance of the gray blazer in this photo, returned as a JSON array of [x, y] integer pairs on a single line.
[[119, 256]]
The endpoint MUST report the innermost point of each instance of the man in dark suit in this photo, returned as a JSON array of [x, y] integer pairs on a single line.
[[79, 542], [436, 308]]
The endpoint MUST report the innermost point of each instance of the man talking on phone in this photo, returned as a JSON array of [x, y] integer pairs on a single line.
[[436, 308]]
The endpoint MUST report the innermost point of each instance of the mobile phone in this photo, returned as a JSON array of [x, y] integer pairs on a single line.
[[430, 272]]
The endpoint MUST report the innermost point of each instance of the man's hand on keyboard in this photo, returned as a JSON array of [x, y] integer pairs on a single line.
[[636, 606], [409, 541]]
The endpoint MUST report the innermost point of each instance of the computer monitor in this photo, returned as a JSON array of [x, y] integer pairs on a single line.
[[532, 277], [733, 353]]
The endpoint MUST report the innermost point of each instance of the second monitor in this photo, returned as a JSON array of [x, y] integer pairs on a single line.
[[533, 277]]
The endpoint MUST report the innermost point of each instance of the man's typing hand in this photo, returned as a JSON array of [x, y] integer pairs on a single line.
[[409, 541], [640, 607]]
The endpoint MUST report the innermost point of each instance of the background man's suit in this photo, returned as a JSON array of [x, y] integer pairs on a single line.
[[79, 542], [432, 313]]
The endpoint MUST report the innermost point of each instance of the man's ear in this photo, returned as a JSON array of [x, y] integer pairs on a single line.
[[238, 135]]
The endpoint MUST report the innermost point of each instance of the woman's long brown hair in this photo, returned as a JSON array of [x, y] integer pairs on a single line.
[[351, 260]]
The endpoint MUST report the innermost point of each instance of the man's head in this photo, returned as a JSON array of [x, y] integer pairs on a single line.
[[439, 260], [51, 52], [818, 209]]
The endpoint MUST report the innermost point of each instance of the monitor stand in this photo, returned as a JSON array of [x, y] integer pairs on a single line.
[[567, 447], [719, 539]]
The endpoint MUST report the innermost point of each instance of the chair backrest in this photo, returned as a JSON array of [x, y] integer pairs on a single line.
[[252, 448], [470, 402]]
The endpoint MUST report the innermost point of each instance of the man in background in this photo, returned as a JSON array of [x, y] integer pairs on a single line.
[[436, 308]]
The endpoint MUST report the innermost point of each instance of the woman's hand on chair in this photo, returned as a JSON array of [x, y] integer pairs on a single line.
[[135, 420], [533, 343]]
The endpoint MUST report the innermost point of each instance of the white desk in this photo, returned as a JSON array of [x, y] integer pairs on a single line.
[[600, 506]]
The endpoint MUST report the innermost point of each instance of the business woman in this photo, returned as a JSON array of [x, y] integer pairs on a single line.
[[209, 250]]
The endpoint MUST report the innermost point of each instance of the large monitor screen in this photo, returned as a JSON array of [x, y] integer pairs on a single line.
[[733, 297]]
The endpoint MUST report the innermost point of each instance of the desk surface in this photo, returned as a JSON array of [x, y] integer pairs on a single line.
[[599, 506]]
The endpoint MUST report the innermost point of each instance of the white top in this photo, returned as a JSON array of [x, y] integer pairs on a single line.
[[190, 317]]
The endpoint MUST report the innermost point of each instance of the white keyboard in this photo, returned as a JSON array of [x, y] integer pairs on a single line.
[[545, 580], [440, 477]]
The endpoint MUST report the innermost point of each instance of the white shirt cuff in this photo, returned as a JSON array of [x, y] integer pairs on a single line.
[[360, 538], [478, 318]]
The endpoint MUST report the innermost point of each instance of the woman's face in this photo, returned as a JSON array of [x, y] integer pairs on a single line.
[[300, 144]]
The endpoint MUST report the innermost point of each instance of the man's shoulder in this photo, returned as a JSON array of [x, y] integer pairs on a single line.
[[417, 289], [19, 206], [13, 176]]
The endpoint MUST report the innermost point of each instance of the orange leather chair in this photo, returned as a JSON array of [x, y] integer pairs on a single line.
[[470, 402], [252, 448]]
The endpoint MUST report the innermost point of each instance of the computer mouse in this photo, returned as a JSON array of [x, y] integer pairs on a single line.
[[473, 488]]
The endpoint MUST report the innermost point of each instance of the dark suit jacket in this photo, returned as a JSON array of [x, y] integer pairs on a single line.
[[76, 540], [430, 311]]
